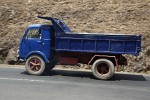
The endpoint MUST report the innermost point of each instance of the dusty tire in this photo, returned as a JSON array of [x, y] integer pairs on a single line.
[[35, 65], [48, 68], [103, 69], [50, 65]]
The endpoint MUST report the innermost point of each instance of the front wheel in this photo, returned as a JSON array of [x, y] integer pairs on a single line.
[[35, 65], [103, 69]]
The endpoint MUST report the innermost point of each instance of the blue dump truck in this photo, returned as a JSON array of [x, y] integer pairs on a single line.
[[44, 46]]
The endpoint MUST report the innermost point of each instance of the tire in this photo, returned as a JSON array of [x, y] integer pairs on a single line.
[[49, 67], [103, 69], [35, 65]]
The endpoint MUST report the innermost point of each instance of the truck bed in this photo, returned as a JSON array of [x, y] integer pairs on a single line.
[[65, 40], [99, 43]]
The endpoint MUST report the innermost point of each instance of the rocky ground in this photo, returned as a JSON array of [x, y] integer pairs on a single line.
[[108, 16]]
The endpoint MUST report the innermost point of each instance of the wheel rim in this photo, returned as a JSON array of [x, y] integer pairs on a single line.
[[102, 68], [35, 64]]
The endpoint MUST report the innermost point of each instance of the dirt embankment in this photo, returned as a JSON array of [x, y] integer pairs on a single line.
[[108, 16]]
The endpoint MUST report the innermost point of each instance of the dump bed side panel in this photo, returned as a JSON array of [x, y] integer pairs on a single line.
[[110, 44]]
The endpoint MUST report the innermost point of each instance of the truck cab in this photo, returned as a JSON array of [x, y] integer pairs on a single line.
[[36, 39]]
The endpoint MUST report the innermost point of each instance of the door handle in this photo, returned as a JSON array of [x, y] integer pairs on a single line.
[[40, 42]]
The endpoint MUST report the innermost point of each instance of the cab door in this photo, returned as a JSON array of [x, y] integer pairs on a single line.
[[46, 42], [34, 37]]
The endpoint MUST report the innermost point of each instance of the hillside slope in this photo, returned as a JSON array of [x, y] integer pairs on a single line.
[[108, 16]]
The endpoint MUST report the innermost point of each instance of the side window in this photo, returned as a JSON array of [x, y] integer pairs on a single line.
[[34, 34]]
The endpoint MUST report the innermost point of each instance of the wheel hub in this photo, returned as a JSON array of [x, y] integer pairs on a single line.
[[103, 68], [35, 64]]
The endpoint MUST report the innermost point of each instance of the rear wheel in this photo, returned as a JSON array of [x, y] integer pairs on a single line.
[[103, 69], [35, 65]]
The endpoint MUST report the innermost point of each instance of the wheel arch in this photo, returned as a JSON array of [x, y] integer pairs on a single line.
[[113, 59], [39, 53]]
